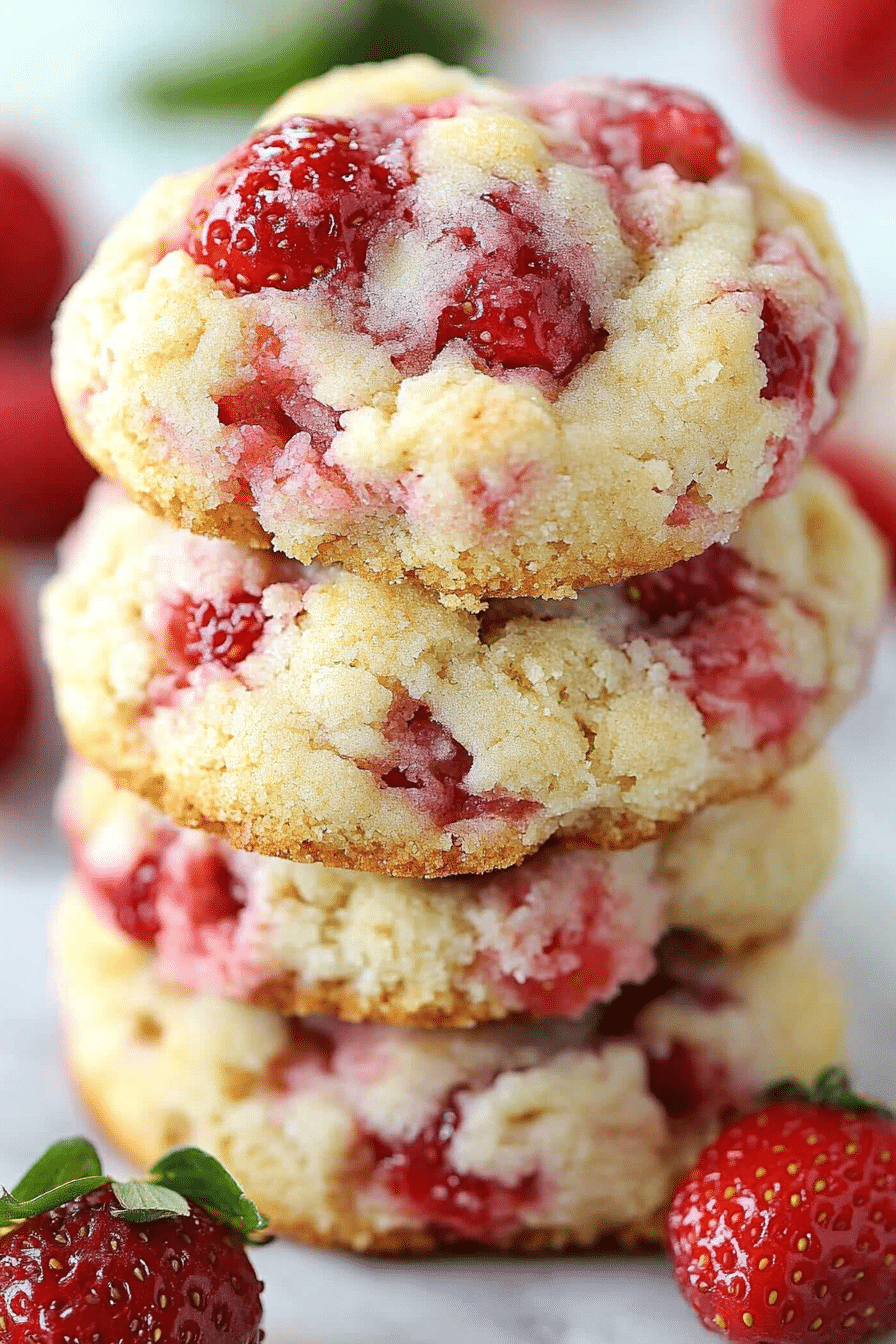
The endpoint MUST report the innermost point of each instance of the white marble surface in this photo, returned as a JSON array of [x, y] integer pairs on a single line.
[[61, 72]]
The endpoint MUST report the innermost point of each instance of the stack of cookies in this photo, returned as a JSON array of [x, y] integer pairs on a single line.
[[446, 666]]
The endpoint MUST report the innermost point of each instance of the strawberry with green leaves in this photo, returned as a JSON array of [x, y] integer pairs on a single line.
[[89, 1260], [785, 1230]]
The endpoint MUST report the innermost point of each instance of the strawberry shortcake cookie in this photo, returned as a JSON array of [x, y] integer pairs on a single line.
[[563, 931], [529, 1136], [504, 342], [313, 714]]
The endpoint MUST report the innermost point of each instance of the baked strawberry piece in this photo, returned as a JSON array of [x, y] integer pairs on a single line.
[[785, 1230], [134, 1262], [522, 1135], [34, 255], [432, 327], [840, 54], [45, 477]]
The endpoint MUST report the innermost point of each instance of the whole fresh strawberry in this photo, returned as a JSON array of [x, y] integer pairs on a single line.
[[840, 54], [785, 1230], [16, 689], [89, 1260], [33, 251]]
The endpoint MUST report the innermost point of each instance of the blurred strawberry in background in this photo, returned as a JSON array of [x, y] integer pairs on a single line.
[[861, 448], [840, 54], [44, 476], [33, 252]]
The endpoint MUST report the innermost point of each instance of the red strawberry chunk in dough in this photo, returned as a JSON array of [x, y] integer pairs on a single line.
[[687, 1081], [637, 126], [200, 884], [517, 307], [205, 887], [711, 579], [735, 660], [78, 1274], [421, 1177], [789, 368], [711, 607], [791, 357], [202, 630], [562, 941], [431, 765], [307, 1054], [129, 898], [299, 203]]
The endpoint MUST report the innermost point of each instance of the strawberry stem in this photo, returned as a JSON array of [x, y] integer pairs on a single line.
[[831, 1088]]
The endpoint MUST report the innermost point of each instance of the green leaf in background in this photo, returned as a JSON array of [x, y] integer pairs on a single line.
[[377, 30]]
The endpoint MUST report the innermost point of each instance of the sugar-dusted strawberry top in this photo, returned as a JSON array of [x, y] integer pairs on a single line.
[[429, 325], [313, 714]]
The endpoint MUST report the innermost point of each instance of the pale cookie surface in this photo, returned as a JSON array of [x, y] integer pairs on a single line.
[[315, 715], [560, 933], [503, 342], [383, 1138]]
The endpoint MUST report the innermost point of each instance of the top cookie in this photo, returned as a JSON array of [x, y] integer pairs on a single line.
[[501, 342]]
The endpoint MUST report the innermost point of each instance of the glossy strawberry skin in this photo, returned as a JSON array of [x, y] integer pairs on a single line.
[[840, 54], [32, 251], [16, 688], [785, 1230], [295, 204], [79, 1275]]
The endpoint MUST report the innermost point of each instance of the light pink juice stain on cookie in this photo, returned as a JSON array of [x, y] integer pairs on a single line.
[[565, 937], [711, 609]]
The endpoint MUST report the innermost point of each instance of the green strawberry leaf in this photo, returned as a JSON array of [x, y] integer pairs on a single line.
[[67, 1160], [831, 1088], [67, 1169], [375, 30], [198, 1176], [144, 1202], [13, 1210]]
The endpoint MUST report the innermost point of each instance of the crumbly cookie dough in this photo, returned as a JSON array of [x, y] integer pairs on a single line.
[[548, 339], [314, 715], [533, 1137], [560, 933]]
